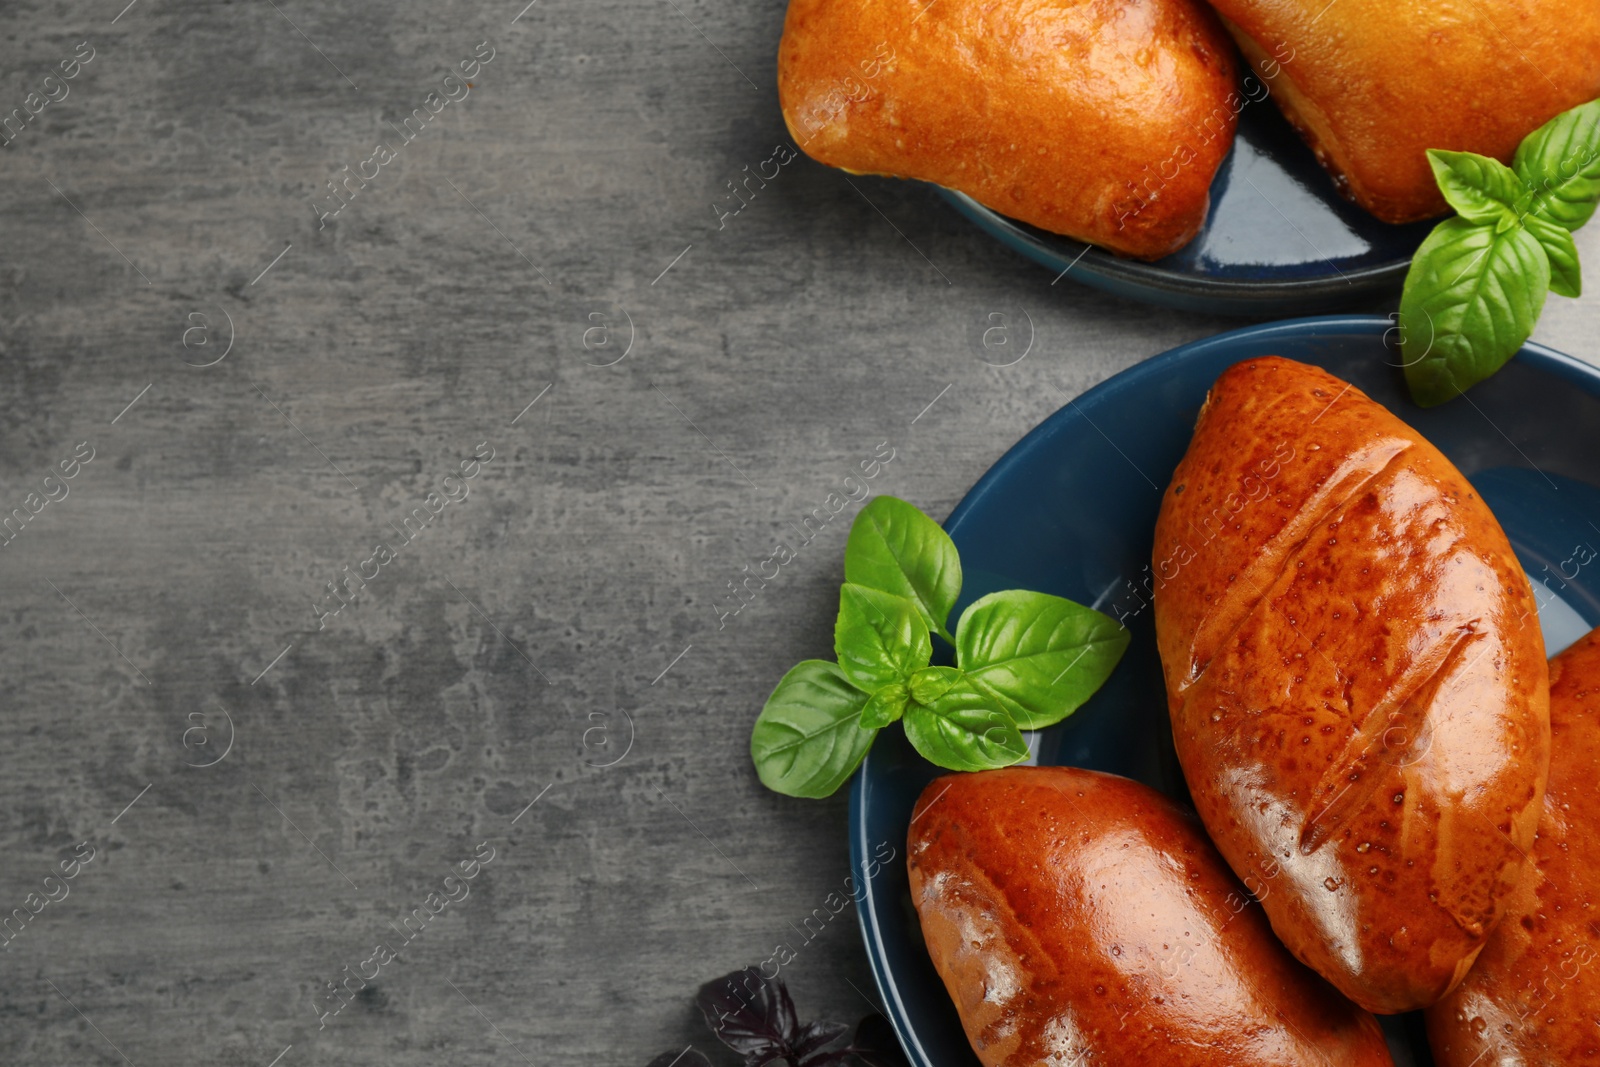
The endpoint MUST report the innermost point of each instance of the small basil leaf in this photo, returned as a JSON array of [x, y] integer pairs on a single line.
[[1561, 161], [1481, 189], [813, 1038], [1041, 656], [1471, 298], [885, 706], [964, 730], [897, 549], [1566, 277], [808, 738], [931, 683], [750, 1013], [879, 638]]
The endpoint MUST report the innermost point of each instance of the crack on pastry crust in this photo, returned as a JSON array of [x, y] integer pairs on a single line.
[[1403, 706], [1356, 474]]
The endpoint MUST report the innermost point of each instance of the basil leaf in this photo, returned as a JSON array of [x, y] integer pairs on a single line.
[[931, 683], [897, 549], [1566, 277], [885, 706], [751, 1014], [1479, 188], [879, 638], [964, 730], [1471, 298], [1040, 656], [1561, 161], [807, 739]]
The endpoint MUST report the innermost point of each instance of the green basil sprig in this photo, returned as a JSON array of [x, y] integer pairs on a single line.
[[1024, 661], [1478, 283]]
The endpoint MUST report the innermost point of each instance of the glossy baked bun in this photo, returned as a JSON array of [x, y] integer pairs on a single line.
[[1373, 84], [1078, 918], [1533, 997], [1356, 679], [1104, 120]]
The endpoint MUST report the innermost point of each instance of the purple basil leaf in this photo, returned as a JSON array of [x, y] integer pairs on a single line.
[[875, 1043], [816, 1036], [787, 1018], [691, 1057], [750, 1014]]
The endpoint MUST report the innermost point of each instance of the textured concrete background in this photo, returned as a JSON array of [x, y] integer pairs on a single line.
[[169, 604]]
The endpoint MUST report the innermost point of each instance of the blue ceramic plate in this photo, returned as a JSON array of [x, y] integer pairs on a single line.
[[1071, 510], [1279, 238]]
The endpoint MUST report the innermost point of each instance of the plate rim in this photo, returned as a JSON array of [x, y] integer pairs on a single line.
[[1359, 280], [1566, 367]]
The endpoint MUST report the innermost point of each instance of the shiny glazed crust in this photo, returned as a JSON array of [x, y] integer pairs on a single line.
[[1532, 996], [1079, 919], [1373, 84], [1356, 679], [1104, 120]]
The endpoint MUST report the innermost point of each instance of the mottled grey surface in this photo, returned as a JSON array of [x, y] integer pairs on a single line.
[[180, 576]]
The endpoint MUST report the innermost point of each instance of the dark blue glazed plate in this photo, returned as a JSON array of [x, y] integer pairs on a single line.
[[1071, 510], [1279, 238]]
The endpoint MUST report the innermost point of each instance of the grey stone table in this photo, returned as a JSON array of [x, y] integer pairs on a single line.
[[526, 372]]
